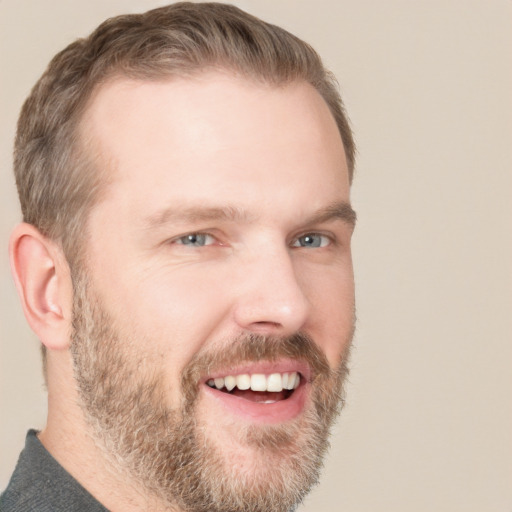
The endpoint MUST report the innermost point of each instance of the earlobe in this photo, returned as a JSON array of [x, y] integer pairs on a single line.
[[43, 280]]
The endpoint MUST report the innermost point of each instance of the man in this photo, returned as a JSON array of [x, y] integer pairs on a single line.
[[184, 177]]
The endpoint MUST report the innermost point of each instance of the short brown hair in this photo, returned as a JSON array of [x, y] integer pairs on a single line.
[[55, 175]]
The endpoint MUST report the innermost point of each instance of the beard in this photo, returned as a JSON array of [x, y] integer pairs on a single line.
[[168, 452]]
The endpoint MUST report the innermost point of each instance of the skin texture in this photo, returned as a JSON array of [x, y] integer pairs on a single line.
[[256, 170]]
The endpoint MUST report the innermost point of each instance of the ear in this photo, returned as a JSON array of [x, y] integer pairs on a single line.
[[43, 280]]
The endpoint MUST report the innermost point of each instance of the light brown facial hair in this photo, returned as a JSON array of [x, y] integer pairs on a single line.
[[168, 451]]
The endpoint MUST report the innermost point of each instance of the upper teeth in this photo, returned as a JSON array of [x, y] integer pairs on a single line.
[[257, 382]]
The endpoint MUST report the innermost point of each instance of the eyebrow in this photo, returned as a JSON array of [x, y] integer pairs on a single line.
[[337, 210], [197, 214]]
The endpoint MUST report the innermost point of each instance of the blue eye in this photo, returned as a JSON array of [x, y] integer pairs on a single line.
[[312, 240], [196, 240]]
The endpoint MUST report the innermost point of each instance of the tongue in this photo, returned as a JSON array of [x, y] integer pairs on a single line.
[[260, 396]]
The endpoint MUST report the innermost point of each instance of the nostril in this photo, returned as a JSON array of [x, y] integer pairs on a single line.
[[264, 327]]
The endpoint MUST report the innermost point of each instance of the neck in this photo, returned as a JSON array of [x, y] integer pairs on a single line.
[[70, 440]]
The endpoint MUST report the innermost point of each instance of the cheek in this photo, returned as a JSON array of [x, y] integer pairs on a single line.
[[332, 316], [168, 321], [180, 312]]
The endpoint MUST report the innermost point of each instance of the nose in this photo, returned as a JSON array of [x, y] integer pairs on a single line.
[[270, 298]]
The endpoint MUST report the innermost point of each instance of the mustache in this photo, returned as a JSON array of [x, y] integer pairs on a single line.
[[251, 347]]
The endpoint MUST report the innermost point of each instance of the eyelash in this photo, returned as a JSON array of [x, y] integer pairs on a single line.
[[327, 240], [192, 238]]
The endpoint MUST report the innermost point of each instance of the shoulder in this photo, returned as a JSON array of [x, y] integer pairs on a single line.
[[40, 484]]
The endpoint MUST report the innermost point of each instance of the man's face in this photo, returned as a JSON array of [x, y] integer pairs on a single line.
[[219, 256]]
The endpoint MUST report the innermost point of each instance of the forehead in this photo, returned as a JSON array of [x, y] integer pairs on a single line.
[[211, 133]]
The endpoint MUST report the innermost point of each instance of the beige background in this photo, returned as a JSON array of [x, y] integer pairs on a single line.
[[428, 86]]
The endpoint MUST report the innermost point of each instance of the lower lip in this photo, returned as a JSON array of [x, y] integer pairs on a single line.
[[258, 412]]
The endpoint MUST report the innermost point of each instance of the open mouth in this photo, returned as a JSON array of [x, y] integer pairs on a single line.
[[258, 387], [262, 392]]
